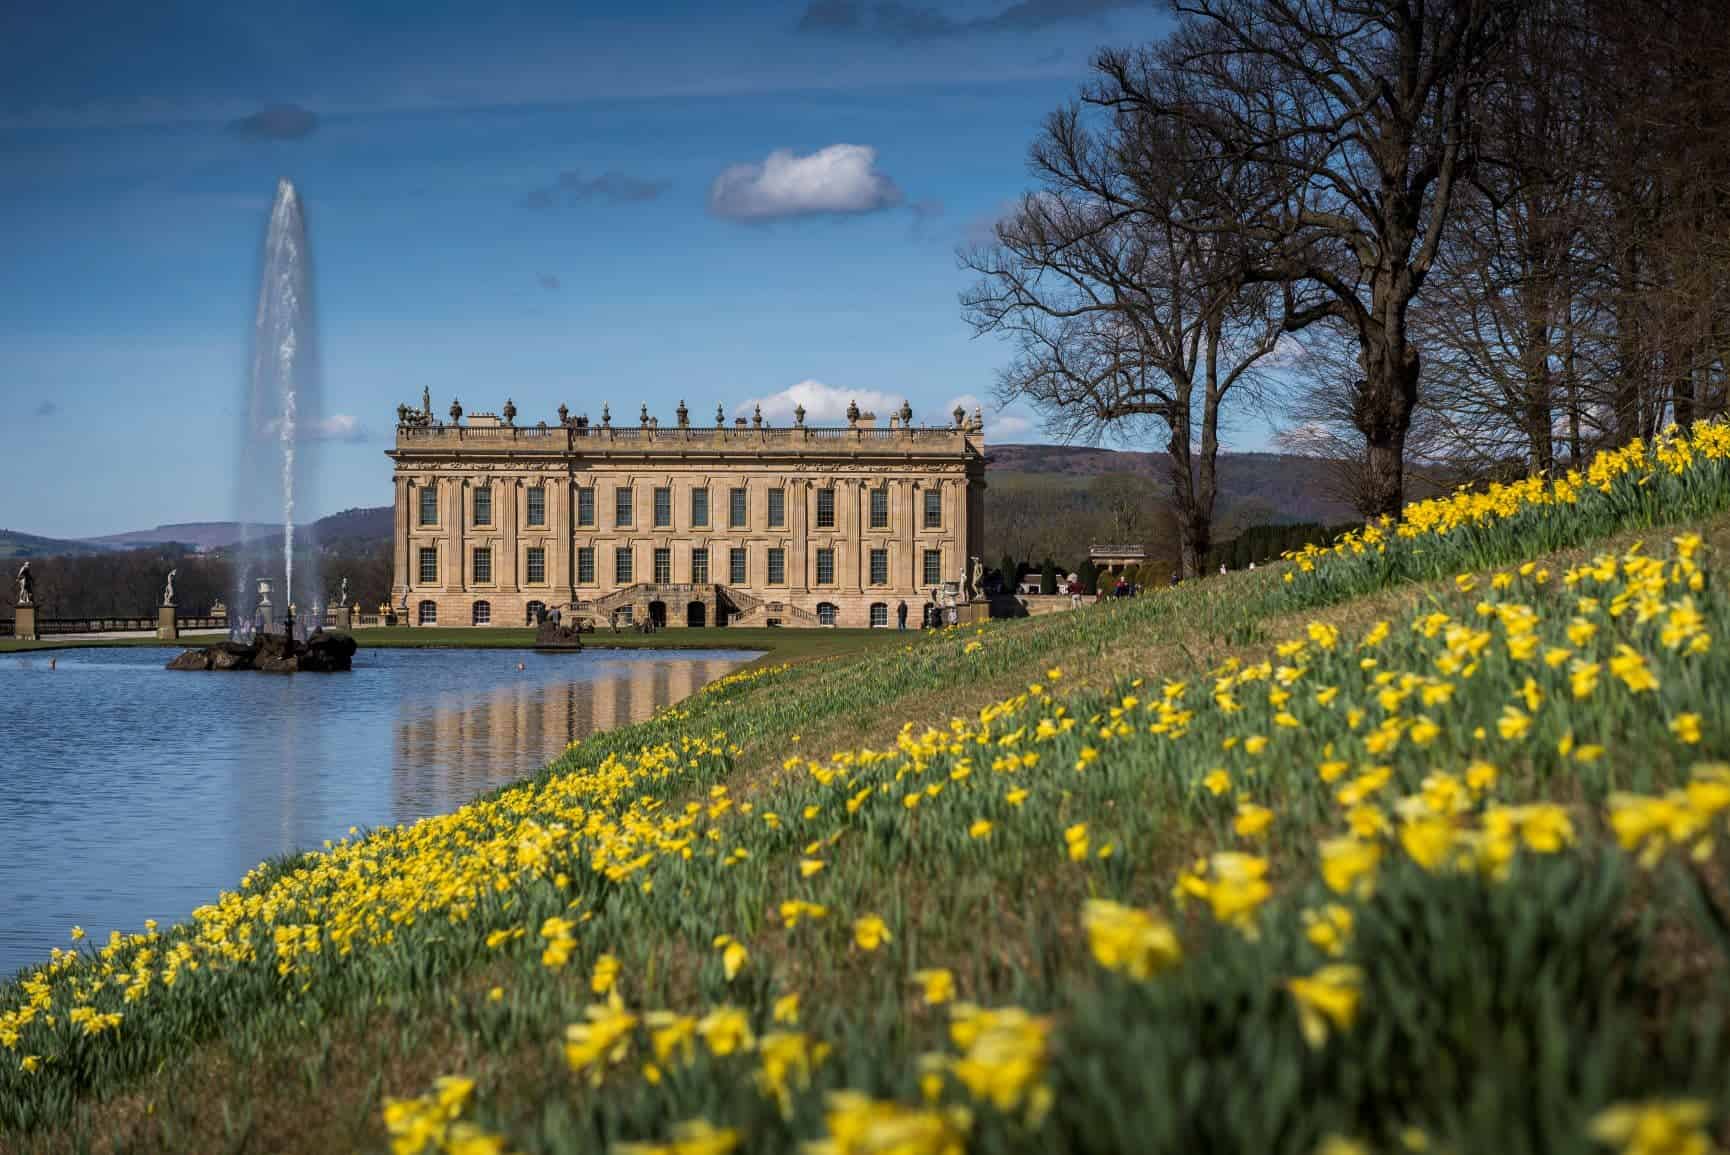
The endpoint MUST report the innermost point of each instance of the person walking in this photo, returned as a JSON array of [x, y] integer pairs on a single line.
[[901, 616]]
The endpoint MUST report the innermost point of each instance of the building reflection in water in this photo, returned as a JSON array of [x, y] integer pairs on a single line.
[[458, 748]]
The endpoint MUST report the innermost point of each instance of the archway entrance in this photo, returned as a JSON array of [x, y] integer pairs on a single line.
[[722, 614], [696, 615], [658, 615]]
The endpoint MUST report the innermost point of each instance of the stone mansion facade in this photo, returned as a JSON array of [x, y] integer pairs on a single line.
[[744, 524]]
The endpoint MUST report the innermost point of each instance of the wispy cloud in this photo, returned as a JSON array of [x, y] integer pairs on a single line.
[[840, 180], [338, 427], [572, 188], [894, 20], [548, 281], [277, 122], [46, 409]]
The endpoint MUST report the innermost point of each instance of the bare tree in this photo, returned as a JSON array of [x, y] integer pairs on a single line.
[[1497, 314], [1119, 311], [1350, 124]]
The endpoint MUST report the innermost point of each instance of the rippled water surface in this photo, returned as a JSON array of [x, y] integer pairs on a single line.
[[130, 792]]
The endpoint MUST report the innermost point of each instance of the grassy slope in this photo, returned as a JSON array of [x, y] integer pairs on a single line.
[[300, 1079]]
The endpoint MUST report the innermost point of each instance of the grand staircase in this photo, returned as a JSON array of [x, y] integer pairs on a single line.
[[721, 605]]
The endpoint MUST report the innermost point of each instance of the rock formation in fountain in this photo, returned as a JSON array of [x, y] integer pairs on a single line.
[[280, 414], [273, 653]]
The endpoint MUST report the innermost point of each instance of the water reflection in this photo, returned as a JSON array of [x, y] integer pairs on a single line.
[[130, 792], [457, 750]]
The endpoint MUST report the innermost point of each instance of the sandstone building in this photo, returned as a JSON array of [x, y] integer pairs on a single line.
[[743, 524]]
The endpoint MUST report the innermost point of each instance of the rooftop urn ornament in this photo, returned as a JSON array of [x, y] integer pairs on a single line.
[[564, 414], [852, 413], [960, 416], [606, 416], [644, 416], [799, 416], [456, 411], [978, 419], [510, 411], [720, 418], [684, 414], [757, 417]]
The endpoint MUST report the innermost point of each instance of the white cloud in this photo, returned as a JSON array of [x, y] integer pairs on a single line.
[[1000, 425], [824, 404], [1289, 352], [338, 427], [840, 179]]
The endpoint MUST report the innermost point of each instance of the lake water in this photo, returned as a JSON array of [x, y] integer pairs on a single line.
[[128, 791]]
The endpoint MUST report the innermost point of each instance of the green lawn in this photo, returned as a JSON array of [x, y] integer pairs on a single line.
[[13, 645]]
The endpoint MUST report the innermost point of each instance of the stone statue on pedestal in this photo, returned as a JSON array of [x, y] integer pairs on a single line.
[[168, 589], [975, 580], [342, 594], [26, 586]]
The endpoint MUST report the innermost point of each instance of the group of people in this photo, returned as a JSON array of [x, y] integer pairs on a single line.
[[1122, 588]]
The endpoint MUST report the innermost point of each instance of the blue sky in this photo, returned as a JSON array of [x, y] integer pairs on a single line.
[[572, 202]]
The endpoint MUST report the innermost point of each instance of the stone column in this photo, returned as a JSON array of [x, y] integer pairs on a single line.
[[954, 545], [559, 521], [505, 565], [456, 573], [798, 492], [24, 624], [167, 628], [852, 536], [905, 514], [401, 578]]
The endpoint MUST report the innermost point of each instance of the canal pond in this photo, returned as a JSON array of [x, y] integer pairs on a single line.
[[130, 792]]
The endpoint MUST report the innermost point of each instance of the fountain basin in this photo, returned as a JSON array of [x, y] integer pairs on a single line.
[[273, 653]]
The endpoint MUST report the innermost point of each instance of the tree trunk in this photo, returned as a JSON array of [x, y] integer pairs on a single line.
[[1382, 411], [1570, 381], [1539, 413], [1192, 553]]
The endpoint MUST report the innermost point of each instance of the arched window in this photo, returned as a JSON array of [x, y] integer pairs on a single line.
[[879, 615], [826, 613], [483, 614], [429, 614], [536, 611]]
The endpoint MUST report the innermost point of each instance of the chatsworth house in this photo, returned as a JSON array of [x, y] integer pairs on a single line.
[[499, 524]]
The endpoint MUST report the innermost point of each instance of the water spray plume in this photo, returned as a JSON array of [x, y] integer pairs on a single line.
[[275, 466]]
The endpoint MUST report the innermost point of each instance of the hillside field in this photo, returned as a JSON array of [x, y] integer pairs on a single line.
[[1414, 843]]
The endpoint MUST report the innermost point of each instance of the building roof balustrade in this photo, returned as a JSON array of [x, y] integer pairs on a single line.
[[577, 438]]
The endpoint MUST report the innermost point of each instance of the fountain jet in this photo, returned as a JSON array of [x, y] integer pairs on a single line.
[[275, 469]]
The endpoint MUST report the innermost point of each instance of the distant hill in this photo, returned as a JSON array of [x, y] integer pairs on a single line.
[[18, 544], [192, 534], [1057, 500], [1279, 487], [350, 528], [356, 526]]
